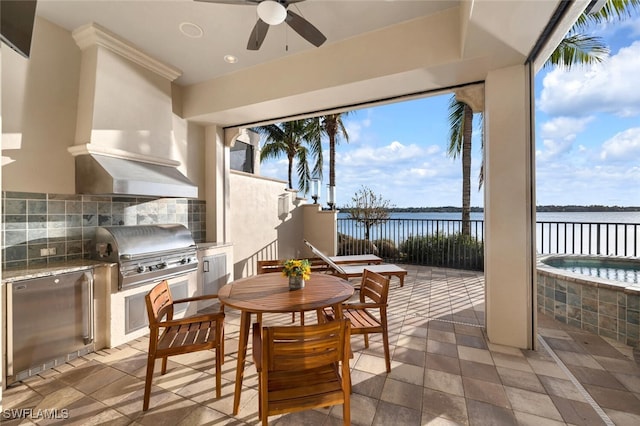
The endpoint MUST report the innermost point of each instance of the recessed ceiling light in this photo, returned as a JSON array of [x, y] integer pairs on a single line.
[[191, 30], [230, 59]]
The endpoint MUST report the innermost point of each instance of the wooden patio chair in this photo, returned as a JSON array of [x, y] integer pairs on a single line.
[[174, 337], [272, 266], [374, 292], [355, 271], [302, 367]]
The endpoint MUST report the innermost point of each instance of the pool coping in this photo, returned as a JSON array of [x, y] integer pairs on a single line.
[[598, 305], [583, 279]]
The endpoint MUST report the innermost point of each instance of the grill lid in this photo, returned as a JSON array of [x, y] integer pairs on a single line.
[[130, 242]]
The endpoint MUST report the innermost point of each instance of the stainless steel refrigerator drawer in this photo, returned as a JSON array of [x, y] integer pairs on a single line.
[[49, 321]]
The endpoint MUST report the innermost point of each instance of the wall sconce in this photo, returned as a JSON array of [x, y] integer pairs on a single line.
[[331, 197], [315, 190]]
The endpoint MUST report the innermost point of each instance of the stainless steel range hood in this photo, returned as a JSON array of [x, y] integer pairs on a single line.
[[106, 175]]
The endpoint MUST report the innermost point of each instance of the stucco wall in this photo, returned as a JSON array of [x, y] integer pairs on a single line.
[[39, 100], [40, 103], [320, 229], [266, 223]]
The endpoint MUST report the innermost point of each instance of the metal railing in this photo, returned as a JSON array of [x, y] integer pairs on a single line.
[[438, 242], [600, 238], [418, 241]]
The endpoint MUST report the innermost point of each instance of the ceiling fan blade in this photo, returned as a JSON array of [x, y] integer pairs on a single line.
[[305, 29], [258, 35]]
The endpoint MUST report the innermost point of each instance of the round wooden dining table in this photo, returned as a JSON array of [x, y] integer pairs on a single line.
[[269, 293]]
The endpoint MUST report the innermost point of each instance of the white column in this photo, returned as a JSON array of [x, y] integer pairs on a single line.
[[509, 208], [216, 185]]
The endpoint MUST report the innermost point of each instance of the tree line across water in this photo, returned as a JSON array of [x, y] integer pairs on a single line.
[[548, 208]]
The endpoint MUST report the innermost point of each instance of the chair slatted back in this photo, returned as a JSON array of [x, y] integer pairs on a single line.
[[268, 266], [159, 303], [305, 347], [375, 287]]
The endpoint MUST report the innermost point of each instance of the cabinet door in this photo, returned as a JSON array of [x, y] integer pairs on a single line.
[[214, 273]]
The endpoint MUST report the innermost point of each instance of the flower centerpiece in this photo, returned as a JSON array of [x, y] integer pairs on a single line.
[[297, 270]]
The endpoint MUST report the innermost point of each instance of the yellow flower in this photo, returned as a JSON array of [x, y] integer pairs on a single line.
[[297, 268]]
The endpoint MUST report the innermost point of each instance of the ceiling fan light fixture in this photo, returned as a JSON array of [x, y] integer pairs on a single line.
[[272, 12]]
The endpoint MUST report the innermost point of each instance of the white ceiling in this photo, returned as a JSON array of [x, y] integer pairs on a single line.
[[375, 49], [154, 26]]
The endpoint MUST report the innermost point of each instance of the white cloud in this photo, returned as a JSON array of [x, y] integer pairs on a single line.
[[633, 25], [422, 172], [393, 153], [355, 127], [559, 134], [409, 175], [563, 183], [564, 127], [610, 87], [622, 146]]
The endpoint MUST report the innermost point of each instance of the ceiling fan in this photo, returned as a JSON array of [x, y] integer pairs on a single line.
[[275, 12]]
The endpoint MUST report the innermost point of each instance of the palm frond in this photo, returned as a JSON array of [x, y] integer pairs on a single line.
[[613, 10], [578, 49], [273, 150], [304, 176], [456, 126]]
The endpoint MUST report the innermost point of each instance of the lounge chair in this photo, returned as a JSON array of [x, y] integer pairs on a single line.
[[356, 259], [355, 271]]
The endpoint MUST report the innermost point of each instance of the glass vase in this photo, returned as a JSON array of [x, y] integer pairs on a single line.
[[296, 282]]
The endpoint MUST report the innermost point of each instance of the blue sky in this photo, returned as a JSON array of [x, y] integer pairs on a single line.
[[587, 139]]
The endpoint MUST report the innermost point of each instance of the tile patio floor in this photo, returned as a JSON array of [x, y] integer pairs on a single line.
[[444, 372]]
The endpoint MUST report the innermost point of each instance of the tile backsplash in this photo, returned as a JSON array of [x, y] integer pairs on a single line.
[[40, 228]]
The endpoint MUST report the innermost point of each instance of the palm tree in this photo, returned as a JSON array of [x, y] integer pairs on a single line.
[[460, 132], [299, 140], [574, 49], [333, 126]]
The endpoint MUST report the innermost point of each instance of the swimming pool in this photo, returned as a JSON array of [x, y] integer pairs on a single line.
[[625, 270], [600, 294]]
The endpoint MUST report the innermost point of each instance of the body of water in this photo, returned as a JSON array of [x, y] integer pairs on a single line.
[[606, 233], [585, 217]]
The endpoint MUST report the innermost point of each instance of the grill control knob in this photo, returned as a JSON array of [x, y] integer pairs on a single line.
[[140, 268], [164, 264]]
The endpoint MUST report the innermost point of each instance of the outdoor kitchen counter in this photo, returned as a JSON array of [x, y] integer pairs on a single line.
[[18, 274], [207, 246]]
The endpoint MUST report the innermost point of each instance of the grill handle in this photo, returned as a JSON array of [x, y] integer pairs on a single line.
[[146, 255], [87, 308]]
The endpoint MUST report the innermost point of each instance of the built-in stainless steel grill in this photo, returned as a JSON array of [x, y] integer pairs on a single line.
[[146, 253]]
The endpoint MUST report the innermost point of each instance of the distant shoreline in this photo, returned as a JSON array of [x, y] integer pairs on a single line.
[[539, 209]]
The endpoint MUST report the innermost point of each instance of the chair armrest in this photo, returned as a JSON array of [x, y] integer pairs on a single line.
[[328, 314], [358, 305], [366, 305], [196, 298], [218, 316], [257, 346]]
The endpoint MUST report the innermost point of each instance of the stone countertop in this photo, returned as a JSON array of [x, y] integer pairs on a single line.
[[18, 274], [207, 246]]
